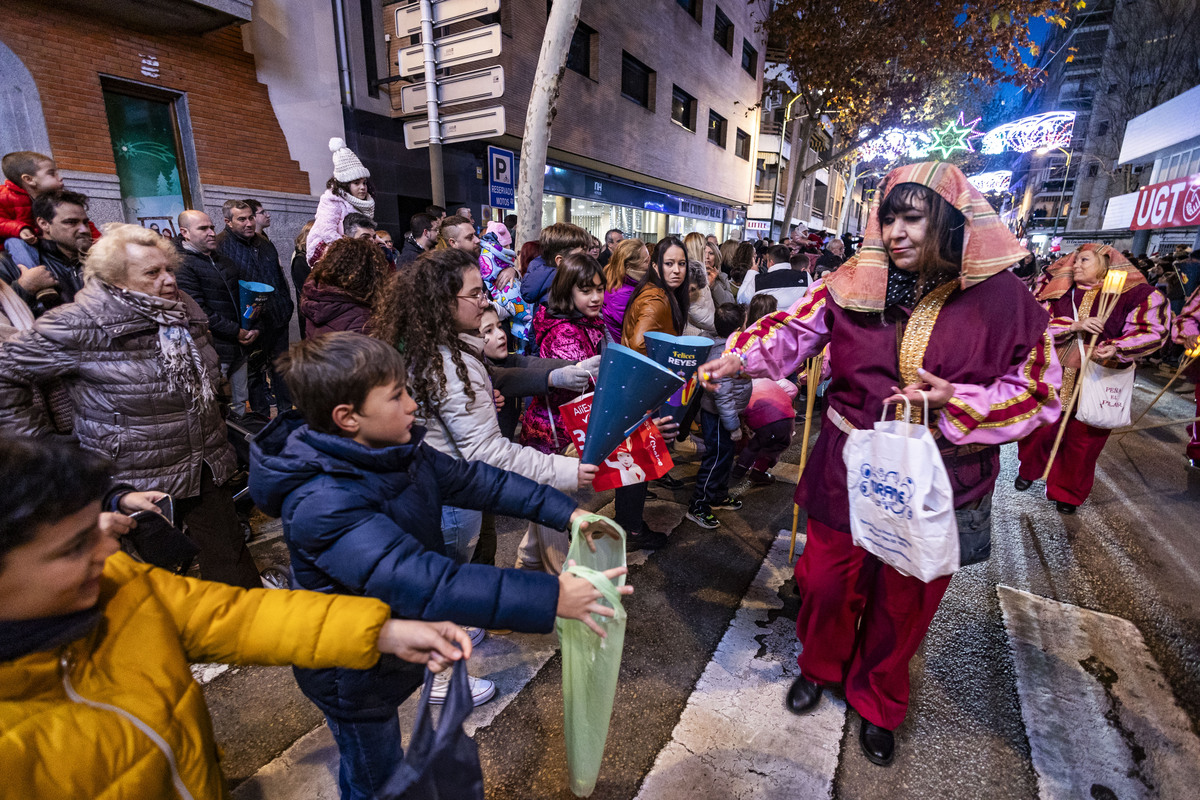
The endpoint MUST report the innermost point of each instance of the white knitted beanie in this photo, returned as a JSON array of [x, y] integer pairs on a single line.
[[346, 166]]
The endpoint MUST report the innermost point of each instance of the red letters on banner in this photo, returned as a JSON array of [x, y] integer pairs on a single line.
[[1172, 204]]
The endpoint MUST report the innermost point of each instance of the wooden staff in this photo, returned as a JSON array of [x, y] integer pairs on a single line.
[[1166, 424], [1114, 282], [813, 372], [1188, 357]]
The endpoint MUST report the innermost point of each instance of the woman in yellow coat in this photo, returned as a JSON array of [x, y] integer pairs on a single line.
[[96, 698]]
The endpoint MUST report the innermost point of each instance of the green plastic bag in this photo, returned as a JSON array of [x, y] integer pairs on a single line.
[[591, 664]]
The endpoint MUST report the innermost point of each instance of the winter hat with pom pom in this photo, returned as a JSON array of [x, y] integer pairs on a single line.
[[346, 166]]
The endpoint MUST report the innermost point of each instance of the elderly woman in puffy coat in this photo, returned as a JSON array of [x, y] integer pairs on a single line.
[[136, 358]]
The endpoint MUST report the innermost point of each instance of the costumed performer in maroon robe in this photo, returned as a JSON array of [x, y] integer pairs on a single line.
[[928, 304], [1136, 327]]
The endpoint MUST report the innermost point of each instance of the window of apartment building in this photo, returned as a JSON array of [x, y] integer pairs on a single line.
[[579, 56], [637, 81], [151, 142], [723, 31], [716, 128], [1102, 128], [1093, 170], [1084, 206], [820, 198], [683, 108], [695, 8], [741, 144], [749, 59]]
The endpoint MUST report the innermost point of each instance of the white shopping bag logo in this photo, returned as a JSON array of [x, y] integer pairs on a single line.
[[901, 503]]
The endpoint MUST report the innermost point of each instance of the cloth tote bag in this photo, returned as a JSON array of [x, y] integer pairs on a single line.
[[1105, 395], [901, 504]]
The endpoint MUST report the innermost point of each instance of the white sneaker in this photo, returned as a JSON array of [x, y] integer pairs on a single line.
[[476, 634], [482, 689]]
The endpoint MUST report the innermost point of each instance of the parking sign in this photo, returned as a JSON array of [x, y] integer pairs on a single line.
[[501, 177]]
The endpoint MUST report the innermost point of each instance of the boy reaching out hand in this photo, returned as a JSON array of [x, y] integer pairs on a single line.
[[361, 499]]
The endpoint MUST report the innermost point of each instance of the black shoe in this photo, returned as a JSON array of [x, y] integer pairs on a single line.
[[738, 473], [1065, 508], [1021, 484], [646, 540], [878, 744], [760, 477], [803, 696], [669, 482], [728, 504]]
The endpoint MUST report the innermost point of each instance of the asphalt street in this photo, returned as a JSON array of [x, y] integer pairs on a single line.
[[1068, 665]]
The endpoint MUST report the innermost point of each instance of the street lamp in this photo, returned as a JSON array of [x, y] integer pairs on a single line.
[[1062, 194], [787, 116]]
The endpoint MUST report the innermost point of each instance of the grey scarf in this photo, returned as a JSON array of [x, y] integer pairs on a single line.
[[361, 206], [179, 360]]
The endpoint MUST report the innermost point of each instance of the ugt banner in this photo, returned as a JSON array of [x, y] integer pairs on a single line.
[[1173, 204]]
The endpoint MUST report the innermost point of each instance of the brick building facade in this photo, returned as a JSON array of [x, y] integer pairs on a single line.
[[64, 68]]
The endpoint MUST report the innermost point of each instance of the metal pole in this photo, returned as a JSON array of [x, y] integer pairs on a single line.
[[438, 188], [1061, 195], [775, 189], [844, 221]]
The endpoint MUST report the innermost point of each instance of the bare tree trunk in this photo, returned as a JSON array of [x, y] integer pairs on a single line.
[[560, 27]]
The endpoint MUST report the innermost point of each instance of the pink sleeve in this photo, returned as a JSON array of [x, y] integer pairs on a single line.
[[1145, 328], [1010, 407], [1060, 327], [1188, 322], [778, 344]]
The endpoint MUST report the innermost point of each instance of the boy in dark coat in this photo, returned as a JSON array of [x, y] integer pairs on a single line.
[[361, 497]]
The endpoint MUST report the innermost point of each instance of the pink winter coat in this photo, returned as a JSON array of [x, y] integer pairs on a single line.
[[575, 338], [327, 227]]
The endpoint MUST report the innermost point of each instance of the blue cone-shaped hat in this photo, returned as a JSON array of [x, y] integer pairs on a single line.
[[630, 386]]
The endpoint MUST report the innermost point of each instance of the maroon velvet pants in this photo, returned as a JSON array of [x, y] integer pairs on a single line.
[[1074, 469], [860, 623]]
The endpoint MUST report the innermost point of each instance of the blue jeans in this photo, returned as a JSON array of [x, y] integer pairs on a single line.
[[369, 752], [460, 532], [712, 481], [21, 252]]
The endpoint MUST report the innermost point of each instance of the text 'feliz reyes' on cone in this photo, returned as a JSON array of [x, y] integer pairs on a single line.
[[681, 355], [629, 386]]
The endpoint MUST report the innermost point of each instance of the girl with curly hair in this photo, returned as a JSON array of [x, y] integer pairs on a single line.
[[431, 312], [341, 289]]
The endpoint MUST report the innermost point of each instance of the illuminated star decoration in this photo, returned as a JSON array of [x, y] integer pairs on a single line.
[[952, 137]]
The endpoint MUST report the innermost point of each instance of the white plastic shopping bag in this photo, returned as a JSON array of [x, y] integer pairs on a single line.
[[901, 505], [1105, 395]]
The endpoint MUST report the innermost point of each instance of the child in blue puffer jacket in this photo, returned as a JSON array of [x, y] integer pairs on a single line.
[[361, 500]]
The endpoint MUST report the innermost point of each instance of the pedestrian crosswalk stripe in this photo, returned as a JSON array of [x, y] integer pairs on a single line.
[[735, 738], [1101, 720]]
